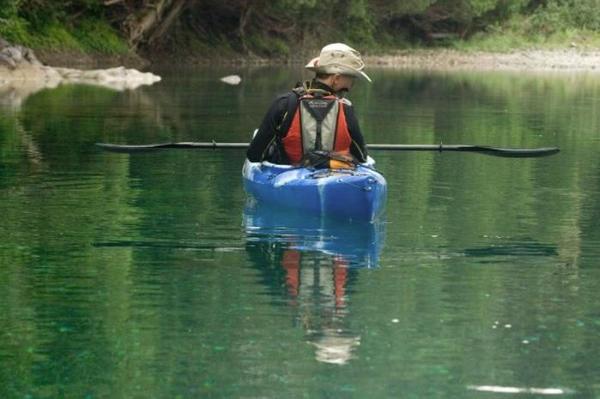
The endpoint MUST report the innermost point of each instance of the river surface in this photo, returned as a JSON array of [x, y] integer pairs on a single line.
[[149, 275]]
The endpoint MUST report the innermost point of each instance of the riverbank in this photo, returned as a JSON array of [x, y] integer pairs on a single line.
[[568, 60], [81, 60]]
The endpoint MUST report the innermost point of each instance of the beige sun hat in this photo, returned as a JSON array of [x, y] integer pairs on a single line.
[[338, 58]]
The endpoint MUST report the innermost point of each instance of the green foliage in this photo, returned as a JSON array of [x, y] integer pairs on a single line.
[[96, 35], [55, 36], [270, 46], [495, 40], [560, 15], [41, 13], [359, 25], [74, 25], [479, 7], [584, 14], [9, 8], [88, 36], [553, 25], [398, 8], [15, 30], [280, 28]]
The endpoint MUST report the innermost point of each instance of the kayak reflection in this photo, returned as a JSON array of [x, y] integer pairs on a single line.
[[310, 264], [358, 244]]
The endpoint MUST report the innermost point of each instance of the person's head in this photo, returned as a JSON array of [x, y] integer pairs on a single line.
[[338, 65]]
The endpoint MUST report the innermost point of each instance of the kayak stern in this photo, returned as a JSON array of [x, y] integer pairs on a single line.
[[351, 194]]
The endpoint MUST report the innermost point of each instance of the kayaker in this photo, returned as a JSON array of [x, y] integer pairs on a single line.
[[314, 116]]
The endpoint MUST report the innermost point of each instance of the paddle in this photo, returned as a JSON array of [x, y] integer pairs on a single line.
[[498, 152], [152, 147], [495, 151]]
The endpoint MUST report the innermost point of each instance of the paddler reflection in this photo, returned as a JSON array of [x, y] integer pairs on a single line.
[[311, 263]]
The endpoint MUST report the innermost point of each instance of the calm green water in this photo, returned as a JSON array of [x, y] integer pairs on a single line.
[[145, 275]]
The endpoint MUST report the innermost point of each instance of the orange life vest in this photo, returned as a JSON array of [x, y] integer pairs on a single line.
[[319, 123]]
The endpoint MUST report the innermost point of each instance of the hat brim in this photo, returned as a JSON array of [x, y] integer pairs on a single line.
[[364, 75], [313, 66]]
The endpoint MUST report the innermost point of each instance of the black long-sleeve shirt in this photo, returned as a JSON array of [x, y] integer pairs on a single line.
[[278, 120]]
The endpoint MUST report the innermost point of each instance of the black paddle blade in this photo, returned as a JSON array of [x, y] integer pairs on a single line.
[[128, 148], [513, 152], [494, 151]]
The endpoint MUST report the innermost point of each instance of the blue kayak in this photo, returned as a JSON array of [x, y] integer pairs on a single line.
[[350, 194]]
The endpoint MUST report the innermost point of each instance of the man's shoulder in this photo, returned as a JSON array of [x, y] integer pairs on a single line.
[[284, 97], [281, 101]]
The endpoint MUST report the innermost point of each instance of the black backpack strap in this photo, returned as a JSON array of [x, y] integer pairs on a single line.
[[292, 104], [275, 151]]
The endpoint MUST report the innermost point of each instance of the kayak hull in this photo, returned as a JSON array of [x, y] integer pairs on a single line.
[[337, 193]]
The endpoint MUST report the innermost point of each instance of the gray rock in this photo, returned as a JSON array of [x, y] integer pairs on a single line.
[[17, 54], [7, 61], [13, 53], [30, 57]]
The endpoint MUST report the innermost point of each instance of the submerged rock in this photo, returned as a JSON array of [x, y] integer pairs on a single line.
[[231, 80]]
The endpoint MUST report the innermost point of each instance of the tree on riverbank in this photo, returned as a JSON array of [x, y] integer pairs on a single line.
[[281, 28]]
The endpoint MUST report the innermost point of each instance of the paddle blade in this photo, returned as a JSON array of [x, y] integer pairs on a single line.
[[514, 152], [128, 148], [494, 151]]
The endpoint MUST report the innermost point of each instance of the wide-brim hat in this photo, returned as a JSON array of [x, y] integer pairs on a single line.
[[338, 58]]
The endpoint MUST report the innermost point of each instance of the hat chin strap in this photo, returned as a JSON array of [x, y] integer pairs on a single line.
[[341, 93]]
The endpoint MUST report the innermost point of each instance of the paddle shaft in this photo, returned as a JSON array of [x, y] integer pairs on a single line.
[[495, 151]]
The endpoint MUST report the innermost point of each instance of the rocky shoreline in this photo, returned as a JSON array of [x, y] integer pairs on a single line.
[[22, 74], [19, 64]]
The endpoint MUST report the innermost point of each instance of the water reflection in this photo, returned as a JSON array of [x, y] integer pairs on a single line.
[[311, 263], [358, 244], [520, 248], [14, 92], [123, 275]]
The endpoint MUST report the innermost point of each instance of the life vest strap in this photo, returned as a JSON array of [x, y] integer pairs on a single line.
[[318, 108]]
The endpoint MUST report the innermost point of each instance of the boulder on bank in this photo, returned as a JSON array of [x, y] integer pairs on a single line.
[[15, 56], [119, 78]]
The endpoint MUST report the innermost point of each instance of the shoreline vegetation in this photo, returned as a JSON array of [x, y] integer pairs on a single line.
[[535, 35]]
